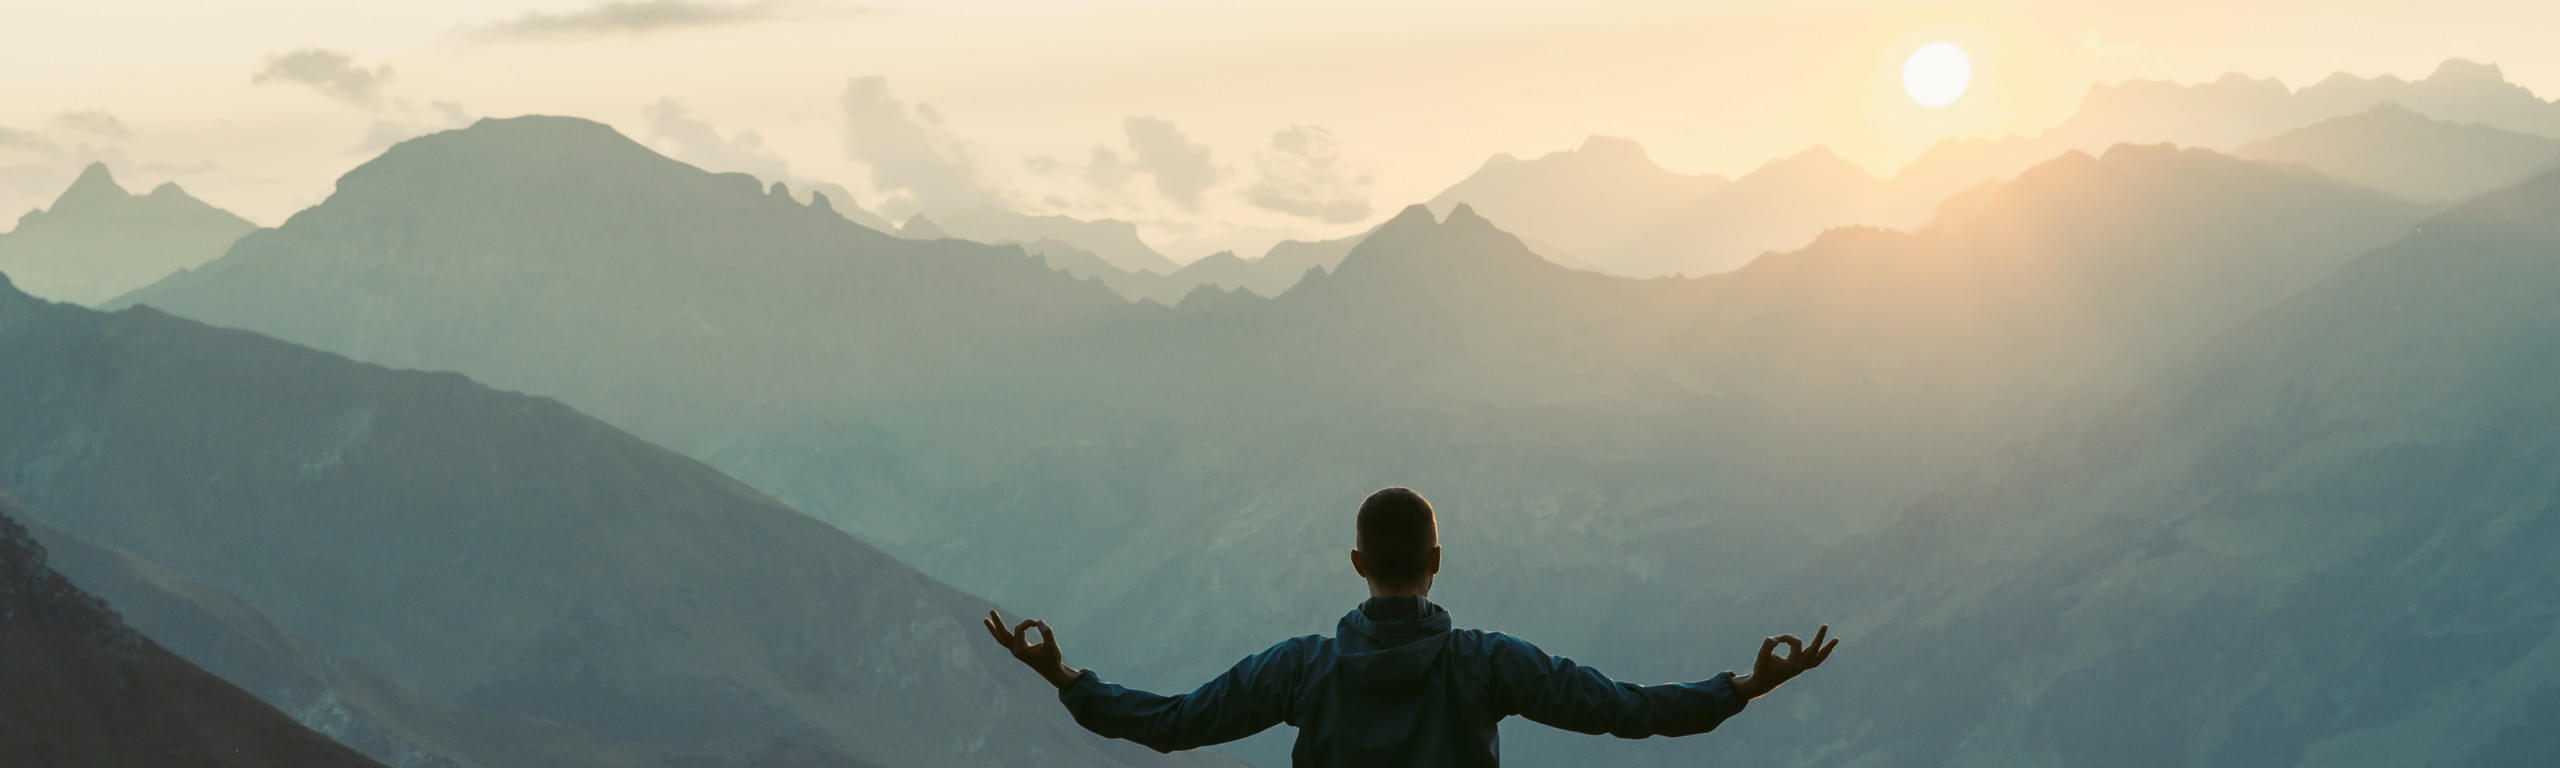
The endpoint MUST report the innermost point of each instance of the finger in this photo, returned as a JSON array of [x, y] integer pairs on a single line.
[[1826, 652], [1768, 645], [1795, 646], [1818, 634], [995, 626], [1046, 639]]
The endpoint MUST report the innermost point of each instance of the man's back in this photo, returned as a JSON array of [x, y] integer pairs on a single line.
[[1397, 686]]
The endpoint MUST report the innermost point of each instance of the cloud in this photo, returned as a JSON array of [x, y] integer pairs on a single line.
[[331, 72], [1107, 171], [94, 123], [1181, 168], [14, 140], [694, 140], [912, 156], [639, 17], [1302, 175]]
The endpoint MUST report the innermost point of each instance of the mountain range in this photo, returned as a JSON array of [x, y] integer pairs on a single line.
[[1677, 440], [97, 241], [1607, 207]]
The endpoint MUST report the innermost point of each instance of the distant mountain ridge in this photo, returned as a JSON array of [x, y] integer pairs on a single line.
[[2396, 150], [97, 242], [2234, 110], [1605, 206]]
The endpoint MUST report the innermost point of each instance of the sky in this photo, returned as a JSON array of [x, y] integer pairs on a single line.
[[1211, 124]]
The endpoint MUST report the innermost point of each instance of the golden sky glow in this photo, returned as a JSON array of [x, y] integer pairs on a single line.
[[1415, 95]]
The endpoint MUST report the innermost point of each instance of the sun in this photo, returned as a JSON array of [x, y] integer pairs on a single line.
[[1937, 74]]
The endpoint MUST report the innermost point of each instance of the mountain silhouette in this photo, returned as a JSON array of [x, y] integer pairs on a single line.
[[1607, 207], [2354, 481], [84, 689], [1115, 241], [1587, 201], [919, 227], [96, 242], [2229, 112], [2395, 150], [503, 556]]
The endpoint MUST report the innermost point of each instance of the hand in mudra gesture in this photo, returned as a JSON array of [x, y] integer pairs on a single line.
[[1042, 657], [1772, 670]]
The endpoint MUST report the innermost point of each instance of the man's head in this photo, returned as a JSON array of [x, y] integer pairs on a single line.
[[1399, 546]]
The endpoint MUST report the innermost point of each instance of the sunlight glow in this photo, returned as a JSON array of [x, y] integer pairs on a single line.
[[1937, 74]]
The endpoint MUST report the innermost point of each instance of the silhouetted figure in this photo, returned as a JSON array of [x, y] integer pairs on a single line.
[[1396, 685]]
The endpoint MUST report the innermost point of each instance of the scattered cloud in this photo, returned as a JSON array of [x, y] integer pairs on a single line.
[[1107, 171], [1182, 169], [689, 138], [912, 156], [1302, 174], [14, 140], [333, 73], [93, 123], [640, 17]]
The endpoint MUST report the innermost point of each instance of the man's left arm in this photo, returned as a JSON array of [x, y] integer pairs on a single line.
[[1253, 695]]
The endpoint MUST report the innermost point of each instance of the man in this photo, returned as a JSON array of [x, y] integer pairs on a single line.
[[1395, 685]]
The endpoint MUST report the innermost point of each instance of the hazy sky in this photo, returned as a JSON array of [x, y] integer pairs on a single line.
[[1211, 123]]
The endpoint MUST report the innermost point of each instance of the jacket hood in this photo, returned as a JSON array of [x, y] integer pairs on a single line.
[[1394, 654]]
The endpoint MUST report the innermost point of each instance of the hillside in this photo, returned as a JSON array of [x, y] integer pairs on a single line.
[[2355, 488], [84, 689]]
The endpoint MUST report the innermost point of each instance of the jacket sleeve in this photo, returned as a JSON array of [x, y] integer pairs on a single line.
[[1257, 693], [1554, 691]]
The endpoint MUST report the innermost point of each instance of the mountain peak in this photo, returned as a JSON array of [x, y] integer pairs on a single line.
[[1818, 163], [1415, 218], [1613, 149], [95, 185], [1465, 217], [920, 228], [2466, 70]]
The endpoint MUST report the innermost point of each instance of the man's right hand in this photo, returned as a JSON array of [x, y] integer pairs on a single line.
[[1772, 670], [1042, 657]]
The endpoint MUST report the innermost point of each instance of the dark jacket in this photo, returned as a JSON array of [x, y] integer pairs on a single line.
[[1396, 686]]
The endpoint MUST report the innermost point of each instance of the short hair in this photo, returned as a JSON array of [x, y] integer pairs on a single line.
[[1397, 533]]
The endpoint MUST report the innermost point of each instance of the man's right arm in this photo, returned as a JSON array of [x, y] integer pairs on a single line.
[[1255, 694]]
